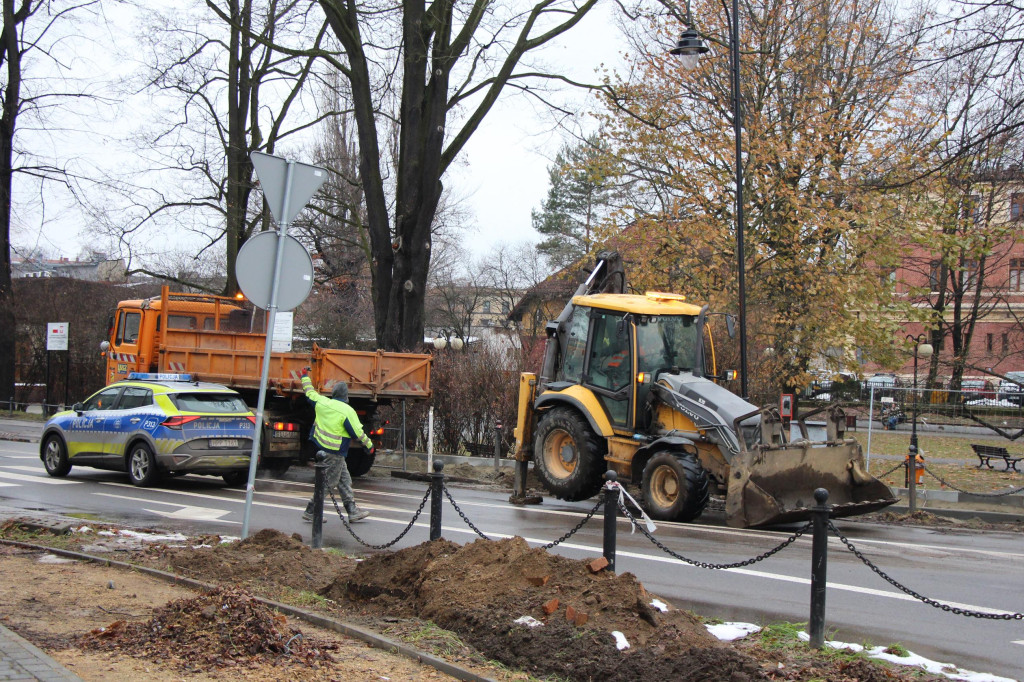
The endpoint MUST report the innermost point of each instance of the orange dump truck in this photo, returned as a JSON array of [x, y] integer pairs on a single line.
[[212, 339]]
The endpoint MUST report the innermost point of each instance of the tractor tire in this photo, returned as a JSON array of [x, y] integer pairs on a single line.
[[568, 457], [359, 461], [674, 487]]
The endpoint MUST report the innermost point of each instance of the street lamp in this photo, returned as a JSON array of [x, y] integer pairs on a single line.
[[689, 48], [922, 349]]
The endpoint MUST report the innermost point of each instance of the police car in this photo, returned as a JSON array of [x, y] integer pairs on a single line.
[[150, 425]]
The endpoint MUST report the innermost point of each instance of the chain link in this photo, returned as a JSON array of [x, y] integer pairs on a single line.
[[915, 595], [701, 564], [899, 465], [461, 513], [968, 492], [401, 535], [575, 528]]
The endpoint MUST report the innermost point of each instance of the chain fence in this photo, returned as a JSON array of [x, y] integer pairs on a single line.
[[906, 590], [703, 564], [348, 526], [946, 483], [819, 529]]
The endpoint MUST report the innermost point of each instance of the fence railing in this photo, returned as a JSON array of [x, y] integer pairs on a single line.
[[615, 500]]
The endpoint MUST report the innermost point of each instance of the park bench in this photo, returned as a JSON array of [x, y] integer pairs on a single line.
[[986, 453], [478, 449]]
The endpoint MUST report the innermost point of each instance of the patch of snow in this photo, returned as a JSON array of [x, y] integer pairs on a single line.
[[660, 605], [226, 539], [727, 632], [54, 559], [621, 643], [82, 529], [912, 659], [528, 621]]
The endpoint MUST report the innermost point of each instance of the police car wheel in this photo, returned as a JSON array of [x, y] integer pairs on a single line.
[[142, 465], [234, 479], [55, 457]]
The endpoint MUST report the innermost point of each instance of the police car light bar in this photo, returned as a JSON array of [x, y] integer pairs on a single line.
[[153, 376]]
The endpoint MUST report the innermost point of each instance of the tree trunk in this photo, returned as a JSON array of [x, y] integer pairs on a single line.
[[11, 105]]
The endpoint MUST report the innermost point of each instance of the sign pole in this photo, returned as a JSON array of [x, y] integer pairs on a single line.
[[67, 374], [271, 314]]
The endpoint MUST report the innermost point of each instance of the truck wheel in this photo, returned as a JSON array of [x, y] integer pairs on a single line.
[[568, 456], [142, 465], [359, 462], [674, 487], [55, 457]]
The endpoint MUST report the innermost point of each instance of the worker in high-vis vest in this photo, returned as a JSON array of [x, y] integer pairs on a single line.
[[335, 426]]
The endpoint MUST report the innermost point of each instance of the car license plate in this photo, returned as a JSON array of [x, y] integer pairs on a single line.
[[223, 442]]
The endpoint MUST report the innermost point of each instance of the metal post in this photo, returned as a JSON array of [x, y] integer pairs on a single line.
[[497, 449], [912, 456], [871, 415], [737, 124], [67, 375], [611, 510], [404, 453], [819, 564], [436, 490], [319, 481], [46, 398], [254, 456], [430, 438]]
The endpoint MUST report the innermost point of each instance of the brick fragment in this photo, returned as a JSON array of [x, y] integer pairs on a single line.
[[581, 618], [570, 614], [598, 565], [539, 581], [550, 606]]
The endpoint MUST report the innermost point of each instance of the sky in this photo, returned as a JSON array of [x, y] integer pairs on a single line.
[[501, 176]]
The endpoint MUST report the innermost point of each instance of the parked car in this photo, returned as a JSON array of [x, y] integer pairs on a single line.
[[150, 425], [977, 389], [881, 384], [1011, 388]]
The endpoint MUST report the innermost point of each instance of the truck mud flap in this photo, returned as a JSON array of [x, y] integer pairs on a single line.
[[776, 485]]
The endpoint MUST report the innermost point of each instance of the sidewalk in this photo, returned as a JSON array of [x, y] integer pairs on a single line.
[[20, 660]]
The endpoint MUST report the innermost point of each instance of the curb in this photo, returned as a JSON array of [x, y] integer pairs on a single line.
[[4, 435], [347, 629]]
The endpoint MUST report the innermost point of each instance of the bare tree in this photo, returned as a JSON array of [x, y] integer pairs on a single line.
[[31, 32], [234, 74], [431, 73]]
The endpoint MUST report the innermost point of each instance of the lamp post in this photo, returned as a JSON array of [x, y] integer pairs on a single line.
[[921, 350], [689, 48]]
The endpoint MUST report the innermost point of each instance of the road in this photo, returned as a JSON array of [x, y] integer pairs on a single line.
[[970, 570]]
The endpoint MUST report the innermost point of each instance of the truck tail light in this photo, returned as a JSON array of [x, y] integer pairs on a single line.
[[285, 426], [377, 432], [177, 421]]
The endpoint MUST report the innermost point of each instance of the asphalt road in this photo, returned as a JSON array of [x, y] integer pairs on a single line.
[[970, 570]]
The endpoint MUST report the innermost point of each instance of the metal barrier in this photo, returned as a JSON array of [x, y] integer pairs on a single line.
[[614, 500]]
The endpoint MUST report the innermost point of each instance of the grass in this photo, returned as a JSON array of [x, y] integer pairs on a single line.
[[432, 638], [303, 598]]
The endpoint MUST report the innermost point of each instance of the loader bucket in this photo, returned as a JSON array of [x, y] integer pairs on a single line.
[[776, 484]]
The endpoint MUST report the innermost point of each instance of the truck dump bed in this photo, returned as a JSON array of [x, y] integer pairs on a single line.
[[236, 360]]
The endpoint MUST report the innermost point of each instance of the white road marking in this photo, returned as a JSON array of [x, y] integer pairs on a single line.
[[1018, 641], [21, 467], [189, 513], [43, 478], [10, 485]]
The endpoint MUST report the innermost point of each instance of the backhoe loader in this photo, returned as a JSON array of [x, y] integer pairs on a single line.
[[629, 383]]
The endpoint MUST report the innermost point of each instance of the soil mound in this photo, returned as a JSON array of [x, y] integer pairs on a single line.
[[482, 589], [221, 628], [269, 557]]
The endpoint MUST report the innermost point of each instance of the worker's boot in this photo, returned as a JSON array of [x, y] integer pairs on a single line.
[[355, 513]]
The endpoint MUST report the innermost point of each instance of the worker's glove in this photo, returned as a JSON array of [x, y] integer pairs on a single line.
[[304, 372]]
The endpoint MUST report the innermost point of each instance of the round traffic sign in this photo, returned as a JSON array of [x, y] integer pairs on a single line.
[[254, 270]]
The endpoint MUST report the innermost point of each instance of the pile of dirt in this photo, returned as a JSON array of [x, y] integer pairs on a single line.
[[220, 628], [484, 591], [268, 556]]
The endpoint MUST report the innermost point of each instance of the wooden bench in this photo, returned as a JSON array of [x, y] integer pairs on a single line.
[[986, 453]]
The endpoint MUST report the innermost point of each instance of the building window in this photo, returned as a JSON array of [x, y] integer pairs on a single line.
[[487, 306], [1006, 342], [504, 307], [974, 208], [1016, 206], [988, 342], [934, 268], [969, 274], [1017, 274]]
